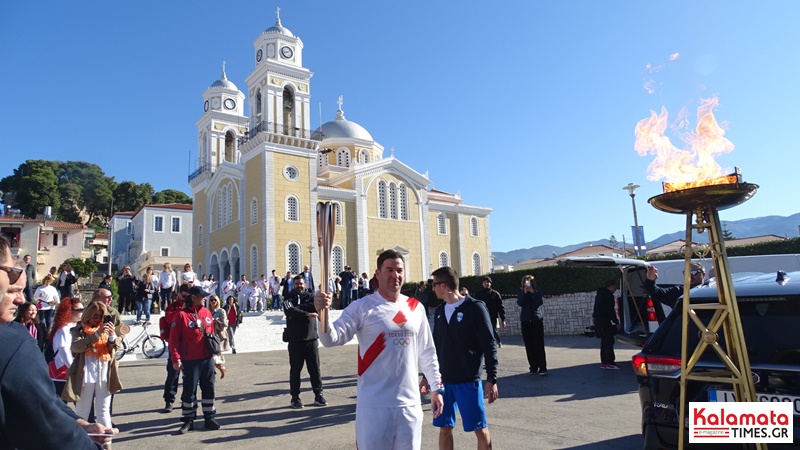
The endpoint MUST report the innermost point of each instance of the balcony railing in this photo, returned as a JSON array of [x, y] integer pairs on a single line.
[[277, 128], [204, 168]]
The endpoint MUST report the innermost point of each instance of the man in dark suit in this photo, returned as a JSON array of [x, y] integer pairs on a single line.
[[303, 337]]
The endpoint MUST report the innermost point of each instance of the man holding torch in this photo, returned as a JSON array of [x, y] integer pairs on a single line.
[[394, 340]]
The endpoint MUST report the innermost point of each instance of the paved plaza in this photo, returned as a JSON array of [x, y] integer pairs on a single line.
[[578, 406]]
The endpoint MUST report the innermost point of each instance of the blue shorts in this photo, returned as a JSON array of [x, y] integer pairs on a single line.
[[468, 398]]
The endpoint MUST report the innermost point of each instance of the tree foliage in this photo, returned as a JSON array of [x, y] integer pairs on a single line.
[[78, 192], [32, 187], [171, 196], [82, 267], [130, 196]]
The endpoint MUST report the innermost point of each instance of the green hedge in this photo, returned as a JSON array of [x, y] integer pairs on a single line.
[[552, 280], [555, 280], [788, 246]]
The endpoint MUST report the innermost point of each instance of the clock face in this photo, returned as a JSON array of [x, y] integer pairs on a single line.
[[205, 106], [259, 55], [229, 103], [287, 52]]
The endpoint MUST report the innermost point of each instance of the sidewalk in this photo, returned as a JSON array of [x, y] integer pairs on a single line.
[[578, 406]]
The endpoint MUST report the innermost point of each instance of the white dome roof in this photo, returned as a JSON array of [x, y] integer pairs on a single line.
[[341, 128], [279, 29], [224, 82]]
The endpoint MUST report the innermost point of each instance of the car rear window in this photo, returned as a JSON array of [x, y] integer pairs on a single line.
[[770, 331]]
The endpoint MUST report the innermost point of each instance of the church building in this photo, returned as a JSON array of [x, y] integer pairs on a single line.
[[262, 170]]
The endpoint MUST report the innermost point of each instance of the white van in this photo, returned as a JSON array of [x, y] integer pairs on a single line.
[[639, 314]]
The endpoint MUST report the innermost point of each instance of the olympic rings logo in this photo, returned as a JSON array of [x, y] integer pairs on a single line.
[[401, 342]]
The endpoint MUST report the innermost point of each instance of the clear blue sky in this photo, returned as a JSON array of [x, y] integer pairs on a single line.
[[526, 107]]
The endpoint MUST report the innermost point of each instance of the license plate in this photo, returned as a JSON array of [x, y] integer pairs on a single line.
[[718, 395]]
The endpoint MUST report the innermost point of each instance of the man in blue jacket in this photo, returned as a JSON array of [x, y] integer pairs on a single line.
[[464, 338], [31, 415]]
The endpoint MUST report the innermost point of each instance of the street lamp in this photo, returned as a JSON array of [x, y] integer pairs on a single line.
[[637, 242]]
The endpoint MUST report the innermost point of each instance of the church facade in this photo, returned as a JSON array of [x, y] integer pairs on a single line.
[[262, 170]]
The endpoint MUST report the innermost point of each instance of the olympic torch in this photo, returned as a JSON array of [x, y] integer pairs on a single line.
[[325, 229]]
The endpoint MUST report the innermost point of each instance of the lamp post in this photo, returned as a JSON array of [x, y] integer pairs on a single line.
[[637, 243], [310, 256]]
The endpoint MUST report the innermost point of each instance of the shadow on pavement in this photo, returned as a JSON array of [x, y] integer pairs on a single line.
[[633, 441]]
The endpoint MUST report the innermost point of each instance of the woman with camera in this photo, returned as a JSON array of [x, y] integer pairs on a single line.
[[94, 373], [220, 317], [531, 320]]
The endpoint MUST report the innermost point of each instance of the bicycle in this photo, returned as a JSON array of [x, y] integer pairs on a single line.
[[152, 345]]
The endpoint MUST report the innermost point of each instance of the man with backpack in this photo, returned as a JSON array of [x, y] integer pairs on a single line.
[[173, 376]]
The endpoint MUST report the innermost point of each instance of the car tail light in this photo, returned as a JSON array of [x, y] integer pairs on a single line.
[[645, 365], [651, 311]]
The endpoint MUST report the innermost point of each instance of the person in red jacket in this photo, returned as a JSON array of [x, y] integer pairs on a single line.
[[171, 383], [189, 352]]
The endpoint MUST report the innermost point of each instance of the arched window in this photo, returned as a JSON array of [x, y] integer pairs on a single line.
[[204, 155], [200, 236], [337, 214], [253, 262], [225, 205], [441, 223], [258, 107], [363, 156], [382, 199], [473, 226], [444, 260], [337, 260], [293, 257], [343, 157], [230, 147], [220, 207], [392, 201], [254, 212], [403, 202], [229, 204], [288, 111], [322, 160], [476, 264], [292, 210]]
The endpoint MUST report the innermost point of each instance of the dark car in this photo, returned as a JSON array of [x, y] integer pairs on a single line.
[[769, 307]]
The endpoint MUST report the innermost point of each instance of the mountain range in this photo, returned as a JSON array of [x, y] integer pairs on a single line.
[[759, 226]]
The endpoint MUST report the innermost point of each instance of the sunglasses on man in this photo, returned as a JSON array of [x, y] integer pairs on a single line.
[[13, 273], [694, 272]]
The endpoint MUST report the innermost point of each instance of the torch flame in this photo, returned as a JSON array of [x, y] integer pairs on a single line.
[[694, 166]]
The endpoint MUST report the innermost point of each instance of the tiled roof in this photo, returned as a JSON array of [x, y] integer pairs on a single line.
[[48, 223], [62, 225], [166, 206]]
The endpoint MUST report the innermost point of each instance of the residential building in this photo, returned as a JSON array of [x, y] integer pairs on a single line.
[[49, 242], [152, 236]]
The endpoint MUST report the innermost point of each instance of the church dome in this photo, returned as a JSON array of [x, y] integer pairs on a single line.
[[278, 28], [224, 82], [341, 128]]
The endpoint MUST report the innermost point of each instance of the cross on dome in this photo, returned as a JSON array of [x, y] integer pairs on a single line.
[[340, 113], [278, 14], [223, 70]]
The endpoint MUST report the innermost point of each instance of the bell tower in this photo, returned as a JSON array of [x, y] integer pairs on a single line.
[[279, 86], [222, 123]]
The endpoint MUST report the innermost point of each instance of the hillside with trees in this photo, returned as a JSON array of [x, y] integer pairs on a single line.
[[78, 192]]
